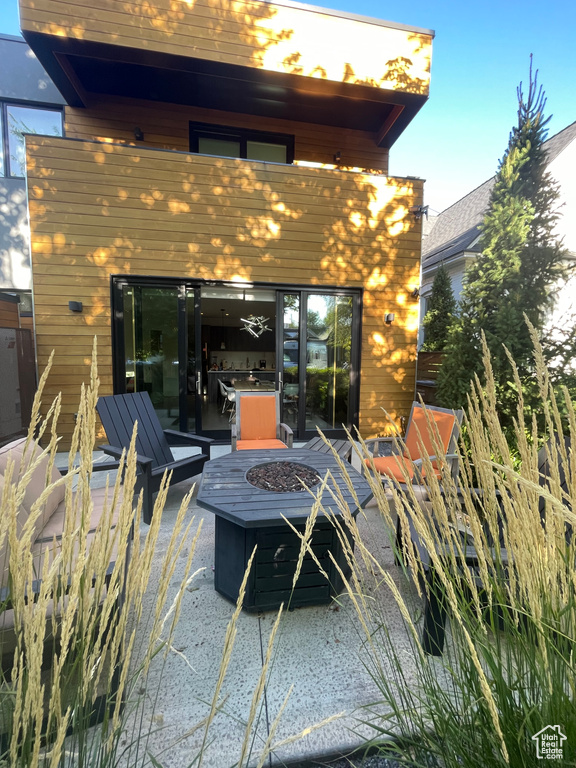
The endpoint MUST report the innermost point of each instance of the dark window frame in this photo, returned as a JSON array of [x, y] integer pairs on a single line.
[[242, 135], [5, 170]]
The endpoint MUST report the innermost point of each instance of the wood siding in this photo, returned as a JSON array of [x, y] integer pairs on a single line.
[[248, 33], [9, 314], [166, 126], [27, 322], [100, 209]]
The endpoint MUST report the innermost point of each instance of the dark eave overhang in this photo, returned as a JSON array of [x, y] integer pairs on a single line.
[[80, 68], [431, 268]]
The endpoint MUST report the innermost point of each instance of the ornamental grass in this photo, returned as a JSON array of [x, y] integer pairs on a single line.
[[509, 665], [75, 620], [84, 642], [75, 690]]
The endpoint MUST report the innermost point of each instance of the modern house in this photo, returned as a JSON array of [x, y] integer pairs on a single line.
[[219, 207], [453, 240]]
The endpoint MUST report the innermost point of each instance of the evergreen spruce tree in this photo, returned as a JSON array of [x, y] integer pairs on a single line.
[[520, 264], [440, 312]]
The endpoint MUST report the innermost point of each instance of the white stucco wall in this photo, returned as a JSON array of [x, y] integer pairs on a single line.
[[563, 169]]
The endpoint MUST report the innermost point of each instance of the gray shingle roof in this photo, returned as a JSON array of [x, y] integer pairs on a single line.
[[457, 228]]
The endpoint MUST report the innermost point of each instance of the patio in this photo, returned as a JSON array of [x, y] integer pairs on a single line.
[[318, 651]]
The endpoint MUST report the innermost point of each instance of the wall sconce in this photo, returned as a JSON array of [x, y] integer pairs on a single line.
[[418, 211], [415, 293], [75, 306], [138, 134], [338, 157], [389, 318]]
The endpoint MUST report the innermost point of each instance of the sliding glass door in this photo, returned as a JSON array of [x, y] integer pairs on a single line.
[[158, 350], [289, 365], [190, 346], [319, 381], [328, 353]]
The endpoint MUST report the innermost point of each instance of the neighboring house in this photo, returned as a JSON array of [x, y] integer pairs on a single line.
[[225, 167], [453, 239], [29, 101]]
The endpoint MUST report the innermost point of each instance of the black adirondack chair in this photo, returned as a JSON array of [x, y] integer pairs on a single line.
[[118, 414]]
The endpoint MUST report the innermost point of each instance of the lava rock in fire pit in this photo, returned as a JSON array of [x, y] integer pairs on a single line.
[[282, 476]]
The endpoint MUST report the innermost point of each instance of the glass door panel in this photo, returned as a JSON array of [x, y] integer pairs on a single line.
[[238, 332], [290, 366], [151, 348], [328, 350], [195, 366]]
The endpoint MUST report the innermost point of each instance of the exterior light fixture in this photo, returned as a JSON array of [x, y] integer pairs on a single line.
[[389, 318], [75, 306], [418, 211], [415, 293], [338, 157], [138, 134], [255, 325]]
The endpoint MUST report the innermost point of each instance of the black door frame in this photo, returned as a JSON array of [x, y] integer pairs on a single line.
[[355, 353], [117, 283], [118, 345]]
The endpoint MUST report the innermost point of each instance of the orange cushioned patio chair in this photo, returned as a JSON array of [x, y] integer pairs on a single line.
[[258, 422], [407, 457]]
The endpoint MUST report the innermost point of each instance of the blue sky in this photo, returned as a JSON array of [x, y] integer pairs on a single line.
[[481, 53]]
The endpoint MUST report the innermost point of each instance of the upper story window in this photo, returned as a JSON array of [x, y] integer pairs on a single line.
[[17, 120], [224, 141]]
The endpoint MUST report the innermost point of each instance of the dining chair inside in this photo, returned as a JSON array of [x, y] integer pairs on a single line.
[[229, 398]]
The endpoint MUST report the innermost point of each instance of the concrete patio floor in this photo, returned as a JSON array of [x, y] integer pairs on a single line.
[[319, 651]]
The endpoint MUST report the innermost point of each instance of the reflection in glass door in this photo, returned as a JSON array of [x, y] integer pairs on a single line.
[[328, 359], [289, 372], [193, 363], [152, 341]]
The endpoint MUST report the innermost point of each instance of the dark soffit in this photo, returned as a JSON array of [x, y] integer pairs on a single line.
[[80, 67]]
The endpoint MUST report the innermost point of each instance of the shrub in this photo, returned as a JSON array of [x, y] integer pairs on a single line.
[[440, 312], [328, 389]]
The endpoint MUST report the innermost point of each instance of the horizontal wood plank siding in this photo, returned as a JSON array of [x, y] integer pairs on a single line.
[[247, 33], [27, 323], [103, 209], [166, 126], [9, 314]]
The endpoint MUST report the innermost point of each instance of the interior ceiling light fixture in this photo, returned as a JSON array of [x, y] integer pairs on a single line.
[[255, 325]]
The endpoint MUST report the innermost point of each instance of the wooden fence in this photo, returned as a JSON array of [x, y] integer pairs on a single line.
[[18, 382], [429, 364]]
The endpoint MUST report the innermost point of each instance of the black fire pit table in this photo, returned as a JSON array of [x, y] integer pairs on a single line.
[[249, 516]]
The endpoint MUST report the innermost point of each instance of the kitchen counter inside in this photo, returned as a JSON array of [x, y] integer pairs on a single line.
[[264, 374], [246, 371]]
